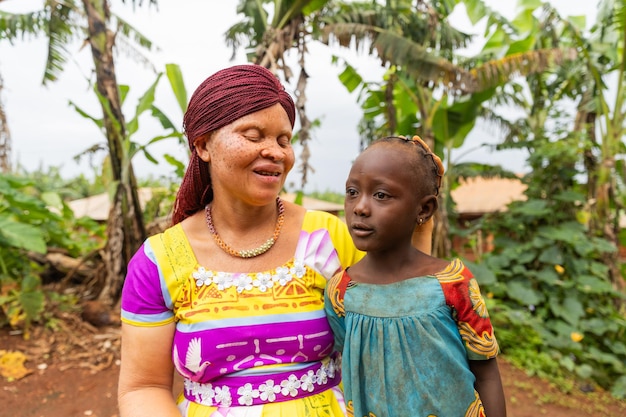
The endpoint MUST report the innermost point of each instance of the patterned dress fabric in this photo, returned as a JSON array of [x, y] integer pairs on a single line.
[[247, 344], [406, 345]]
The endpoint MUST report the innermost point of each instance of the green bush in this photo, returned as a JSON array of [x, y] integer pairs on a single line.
[[33, 221], [556, 311]]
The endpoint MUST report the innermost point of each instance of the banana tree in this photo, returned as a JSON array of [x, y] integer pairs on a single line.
[[5, 137], [601, 116], [64, 22], [593, 80], [270, 37], [429, 89]]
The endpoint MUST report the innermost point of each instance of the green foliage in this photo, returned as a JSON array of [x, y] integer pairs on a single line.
[[145, 104], [558, 313], [22, 304], [32, 220], [161, 202], [328, 195]]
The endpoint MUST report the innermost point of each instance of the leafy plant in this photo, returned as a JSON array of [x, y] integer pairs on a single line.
[[558, 312], [34, 220]]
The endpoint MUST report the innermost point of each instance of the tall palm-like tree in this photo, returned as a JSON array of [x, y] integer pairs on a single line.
[[597, 83], [416, 42], [270, 36], [589, 81], [5, 137], [428, 89], [63, 22], [610, 122]]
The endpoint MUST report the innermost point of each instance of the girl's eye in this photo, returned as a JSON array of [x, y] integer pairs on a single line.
[[380, 195], [350, 192]]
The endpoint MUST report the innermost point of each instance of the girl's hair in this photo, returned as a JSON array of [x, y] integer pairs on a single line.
[[432, 171], [222, 98]]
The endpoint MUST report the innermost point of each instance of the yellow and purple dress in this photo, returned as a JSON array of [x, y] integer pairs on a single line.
[[254, 344], [406, 345]]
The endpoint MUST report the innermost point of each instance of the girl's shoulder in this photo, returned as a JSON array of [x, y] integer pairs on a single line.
[[432, 266], [453, 271]]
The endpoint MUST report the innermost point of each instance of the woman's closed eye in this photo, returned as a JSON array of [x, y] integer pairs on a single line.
[[252, 135], [284, 141]]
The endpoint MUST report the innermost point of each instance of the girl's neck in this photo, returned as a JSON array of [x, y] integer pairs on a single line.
[[386, 267], [379, 268]]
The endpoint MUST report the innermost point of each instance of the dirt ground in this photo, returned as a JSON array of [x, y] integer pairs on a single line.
[[72, 372]]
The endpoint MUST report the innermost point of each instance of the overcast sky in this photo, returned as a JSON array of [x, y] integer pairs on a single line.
[[45, 131]]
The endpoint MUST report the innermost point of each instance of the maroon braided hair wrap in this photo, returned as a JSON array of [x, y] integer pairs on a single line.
[[224, 97]]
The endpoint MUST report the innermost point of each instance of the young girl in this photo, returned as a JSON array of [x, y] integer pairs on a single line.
[[413, 330]]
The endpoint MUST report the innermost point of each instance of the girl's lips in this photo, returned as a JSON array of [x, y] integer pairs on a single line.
[[360, 229]]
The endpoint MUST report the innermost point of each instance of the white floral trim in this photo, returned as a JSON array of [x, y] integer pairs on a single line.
[[220, 396], [262, 281], [207, 395]]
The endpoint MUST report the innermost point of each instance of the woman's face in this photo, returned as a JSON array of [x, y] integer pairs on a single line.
[[251, 157]]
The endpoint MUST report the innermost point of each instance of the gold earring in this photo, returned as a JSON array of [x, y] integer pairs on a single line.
[[420, 221]]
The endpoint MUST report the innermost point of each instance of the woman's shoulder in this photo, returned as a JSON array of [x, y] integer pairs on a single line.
[[171, 232], [172, 243], [317, 219]]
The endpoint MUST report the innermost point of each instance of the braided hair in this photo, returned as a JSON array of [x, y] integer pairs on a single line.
[[432, 172], [222, 98]]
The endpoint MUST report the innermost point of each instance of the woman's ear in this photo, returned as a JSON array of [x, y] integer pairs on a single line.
[[428, 207], [200, 144]]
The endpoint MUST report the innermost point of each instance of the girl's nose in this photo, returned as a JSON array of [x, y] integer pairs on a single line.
[[360, 207]]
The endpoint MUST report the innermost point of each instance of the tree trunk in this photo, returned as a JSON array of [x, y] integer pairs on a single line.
[[125, 228], [5, 137], [442, 244]]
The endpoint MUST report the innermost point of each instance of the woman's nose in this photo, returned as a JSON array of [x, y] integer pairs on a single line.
[[272, 150]]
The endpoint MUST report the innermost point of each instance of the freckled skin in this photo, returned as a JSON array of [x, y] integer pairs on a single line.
[[251, 157]]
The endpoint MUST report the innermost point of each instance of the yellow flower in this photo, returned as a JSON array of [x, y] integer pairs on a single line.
[[559, 269], [576, 337]]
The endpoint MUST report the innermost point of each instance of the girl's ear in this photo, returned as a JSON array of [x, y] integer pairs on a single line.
[[200, 144], [427, 208]]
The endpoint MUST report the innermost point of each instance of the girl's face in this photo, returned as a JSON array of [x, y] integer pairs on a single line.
[[382, 201], [250, 158]]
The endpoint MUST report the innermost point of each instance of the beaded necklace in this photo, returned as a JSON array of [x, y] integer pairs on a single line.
[[248, 253]]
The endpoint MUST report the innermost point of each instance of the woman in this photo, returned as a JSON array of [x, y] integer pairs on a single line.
[[231, 295]]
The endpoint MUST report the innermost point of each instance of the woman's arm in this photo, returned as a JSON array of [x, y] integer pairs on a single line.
[[489, 386], [146, 373]]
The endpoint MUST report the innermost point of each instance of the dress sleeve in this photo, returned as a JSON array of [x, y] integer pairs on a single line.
[[143, 303], [463, 295], [330, 226], [334, 306]]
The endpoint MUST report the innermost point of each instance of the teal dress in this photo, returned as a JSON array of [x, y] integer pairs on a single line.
[[406, 345]]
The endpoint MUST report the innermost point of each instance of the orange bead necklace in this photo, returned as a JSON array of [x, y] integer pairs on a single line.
[[247, 253]]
